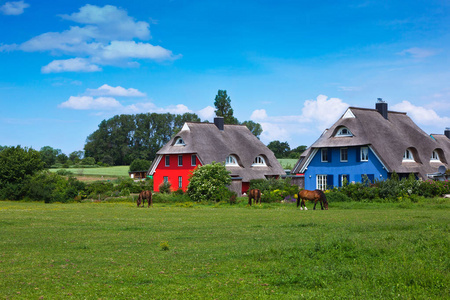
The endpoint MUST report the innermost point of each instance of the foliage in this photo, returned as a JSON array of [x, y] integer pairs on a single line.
[[209, 183], [165, 187], [274, 190], [170, 198], [16, 165], [125, 138], [222, 102], [88, 161], [140, 165], [254, 127], [49, 155], [279, 149]]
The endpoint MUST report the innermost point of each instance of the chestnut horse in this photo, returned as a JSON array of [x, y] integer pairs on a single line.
[[316, 195], [145, 195], [254, 194]]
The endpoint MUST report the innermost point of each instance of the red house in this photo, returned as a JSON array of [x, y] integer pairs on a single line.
[[197, 144]]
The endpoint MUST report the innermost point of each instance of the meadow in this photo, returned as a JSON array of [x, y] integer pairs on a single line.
[[193, 251]]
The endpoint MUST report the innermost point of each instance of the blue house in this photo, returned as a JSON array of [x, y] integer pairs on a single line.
[[371, 143]]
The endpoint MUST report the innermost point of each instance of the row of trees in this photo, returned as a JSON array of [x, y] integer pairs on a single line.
[[282, 150]]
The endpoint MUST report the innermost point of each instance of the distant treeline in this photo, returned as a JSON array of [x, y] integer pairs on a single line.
[[124, 138]]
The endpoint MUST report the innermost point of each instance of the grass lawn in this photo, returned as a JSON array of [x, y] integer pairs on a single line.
[[116, 171], [115, 250], [287, 163]]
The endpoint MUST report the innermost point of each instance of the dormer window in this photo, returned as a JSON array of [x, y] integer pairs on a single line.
[[179, 142], [344, 131], [231, 161], [408, 155], [434, 156], [259, 161]]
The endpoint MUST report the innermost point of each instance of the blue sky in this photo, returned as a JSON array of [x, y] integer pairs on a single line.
[[292, 66]]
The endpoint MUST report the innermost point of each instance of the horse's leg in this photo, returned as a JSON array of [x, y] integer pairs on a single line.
[[321, 205], [298, 200], [315, 202]]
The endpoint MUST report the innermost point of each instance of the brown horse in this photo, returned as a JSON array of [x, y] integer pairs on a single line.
[[254, 194], [316, 195], [145, 195]]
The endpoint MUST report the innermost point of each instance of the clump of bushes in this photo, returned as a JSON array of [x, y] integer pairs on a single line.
[[275, 190]]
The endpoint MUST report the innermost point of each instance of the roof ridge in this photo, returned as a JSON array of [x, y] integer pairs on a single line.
[[374, 109]]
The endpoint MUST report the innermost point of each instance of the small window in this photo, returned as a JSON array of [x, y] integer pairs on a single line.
[[344, 154], [166, 179], [324, 155], [259, 161], [344, 131], [344, 180], [364, 155], [408, 156], [435, 156], [167, 160], [180, 160], [321, 182], [193, 160], [231, 161], [179, 142], [180, 182]]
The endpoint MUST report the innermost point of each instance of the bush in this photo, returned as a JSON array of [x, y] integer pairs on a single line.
[[165, 187], [209, 183], [274, 190], [337, 196], [170, 198], [140, 165]]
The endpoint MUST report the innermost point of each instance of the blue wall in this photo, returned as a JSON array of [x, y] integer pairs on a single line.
[[353, 167]]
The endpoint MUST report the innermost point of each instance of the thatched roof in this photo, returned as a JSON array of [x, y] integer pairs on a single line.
[[388, 138], [211, 144]]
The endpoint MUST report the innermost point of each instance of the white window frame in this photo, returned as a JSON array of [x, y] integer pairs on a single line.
[[364, 154], [342, 152], [324, 154], [259, 161], [344, 131], [408, 155], [321, 182], [167, 161], [180, 159], [166, 179], [179, 142], [193, 160], [231, 161], [435, 156], [180, 182]]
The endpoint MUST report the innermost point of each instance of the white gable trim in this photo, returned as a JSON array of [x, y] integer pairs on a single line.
[[308, 160], [185, 127], [155, 165], [348, 114], [381, 162]]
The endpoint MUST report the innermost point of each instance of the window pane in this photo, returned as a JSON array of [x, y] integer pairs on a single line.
[[167, 160]]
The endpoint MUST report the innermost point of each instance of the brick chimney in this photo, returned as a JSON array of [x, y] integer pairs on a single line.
[[382, 108], [447, 132], [219, 122]]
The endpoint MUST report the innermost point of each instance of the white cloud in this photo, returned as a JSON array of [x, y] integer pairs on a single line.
[[323, 111], [70, 65], [259, 114], [88, 103], [422, 115], [207, 113], [416, 52], [106, 36], [13, 8], [107, 90]]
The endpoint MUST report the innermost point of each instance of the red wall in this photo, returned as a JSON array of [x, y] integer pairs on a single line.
[[173, 171]]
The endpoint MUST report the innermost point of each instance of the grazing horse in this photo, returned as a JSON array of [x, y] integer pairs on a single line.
[[254, 194], [145, 195], [316, 195]]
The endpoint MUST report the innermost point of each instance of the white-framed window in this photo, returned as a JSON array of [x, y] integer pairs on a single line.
[[435, 156], [231, 161], [179, 142], [345, 179], [180, 182], [324, 155], [344, 154], [344, 131], [167, 161], [193, 160], [321, 182], [408, 156], [259, 161], [364, 154], [166, 179], [180, 160]]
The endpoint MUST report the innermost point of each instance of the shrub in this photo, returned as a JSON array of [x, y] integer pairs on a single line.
[[274, 190], [209, 183], [140, 165], [170, 198], [165, 187], [337, 196]]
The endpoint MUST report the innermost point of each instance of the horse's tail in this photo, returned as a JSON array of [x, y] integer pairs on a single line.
[[323, 198], [298, 199]]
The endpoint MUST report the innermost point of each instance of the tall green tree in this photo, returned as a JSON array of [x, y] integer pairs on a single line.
[[279, 149], [255, 128], [49, 155], [222, 102]]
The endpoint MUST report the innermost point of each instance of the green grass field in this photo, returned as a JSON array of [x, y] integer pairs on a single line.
[[116, 171], [116, 251], [287, 163]]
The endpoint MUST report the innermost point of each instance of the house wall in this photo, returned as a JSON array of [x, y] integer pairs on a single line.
[[334, 168], [173, 172]]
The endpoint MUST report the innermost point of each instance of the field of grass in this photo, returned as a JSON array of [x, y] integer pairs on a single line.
[[116, 171], [115, 250], [287, 163]]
